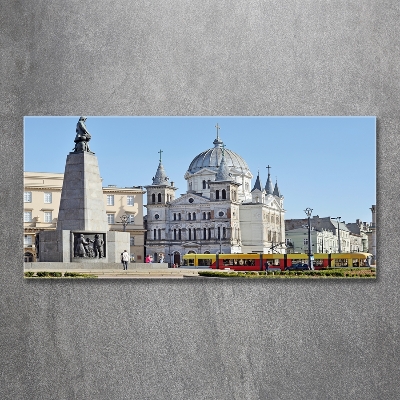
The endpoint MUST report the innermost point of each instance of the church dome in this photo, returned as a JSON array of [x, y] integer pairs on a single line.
[[212, 158]]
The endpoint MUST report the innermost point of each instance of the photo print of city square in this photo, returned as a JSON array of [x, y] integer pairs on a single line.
[[199, 197]]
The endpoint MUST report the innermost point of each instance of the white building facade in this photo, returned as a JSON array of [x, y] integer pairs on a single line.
[[219, 213]]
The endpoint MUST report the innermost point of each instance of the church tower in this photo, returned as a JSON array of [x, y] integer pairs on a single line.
[[159, 196]]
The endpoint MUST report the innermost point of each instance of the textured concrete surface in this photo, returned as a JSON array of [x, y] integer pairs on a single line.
[[196, 339]]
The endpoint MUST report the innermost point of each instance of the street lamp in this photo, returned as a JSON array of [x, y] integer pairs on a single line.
[[338, 221], [125, 220], [308, 212]]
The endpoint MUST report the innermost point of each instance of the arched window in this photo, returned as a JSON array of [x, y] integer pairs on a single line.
[[223, 194], [159, 234], [194, 216], [204, 215], [179, 216], [204, 184], [224, 232], [180, 234], [153, 198], [208, 184], [174, 216], [174, 234], [190, 234], [155, 234], [159, 197], [217, 194], [219, 233], [204, 233], [189, 216], [209, 233], [194, 234]]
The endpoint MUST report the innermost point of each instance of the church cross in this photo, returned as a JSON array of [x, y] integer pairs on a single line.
[[268, 168], [218, 128], [160, 153]]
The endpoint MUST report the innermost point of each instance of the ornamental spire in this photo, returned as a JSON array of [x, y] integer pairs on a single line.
[[268, 186], [160, 177], [223, 171], [277, 193], [257, 184]]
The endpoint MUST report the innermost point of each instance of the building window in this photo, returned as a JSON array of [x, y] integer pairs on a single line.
[[194, 216], [204, 233], [224, 232], [27, 216], [130, 200], [159, 234], [174, 216], [209, 215], [110, 199], [27, 240], [155, 234], [190, 234], [179, 216], [47, 198], [131, 218], [191, 200], [221, 213], [110, 218], [204, 215], [132, 241], [194, 234], [48, 216], [223, 194], [209, 233], [305, 241], [219, 233], [179, 234], [217, 194], [189, 216], [159, 197], [157, 216], [204, 184], [27, 197], [174, 234], [153, 198]]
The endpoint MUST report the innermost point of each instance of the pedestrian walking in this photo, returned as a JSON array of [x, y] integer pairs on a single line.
[[125, 259]]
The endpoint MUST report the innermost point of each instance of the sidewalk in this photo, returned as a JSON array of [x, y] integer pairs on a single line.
[[130, 273]]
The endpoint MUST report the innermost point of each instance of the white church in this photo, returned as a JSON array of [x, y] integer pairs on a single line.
[[219, 213]]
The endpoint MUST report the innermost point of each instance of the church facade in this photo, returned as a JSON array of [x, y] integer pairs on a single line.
[[219, 213]]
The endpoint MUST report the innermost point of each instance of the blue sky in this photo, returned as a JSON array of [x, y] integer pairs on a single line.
[[325, 163]]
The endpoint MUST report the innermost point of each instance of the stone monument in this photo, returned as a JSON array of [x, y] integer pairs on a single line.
[[82, 233]]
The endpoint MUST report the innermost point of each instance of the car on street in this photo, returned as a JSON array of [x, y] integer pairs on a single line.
[[297, 267]]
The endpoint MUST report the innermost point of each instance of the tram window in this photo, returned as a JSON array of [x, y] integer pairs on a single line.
[[205, 263], [341, 262]]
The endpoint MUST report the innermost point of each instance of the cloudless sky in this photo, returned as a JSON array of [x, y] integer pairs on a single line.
[[325, 163]]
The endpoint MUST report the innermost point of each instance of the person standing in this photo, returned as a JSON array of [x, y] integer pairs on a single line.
[[125, 259]]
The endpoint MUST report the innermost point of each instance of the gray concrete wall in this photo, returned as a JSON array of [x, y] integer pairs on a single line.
[[234, 340]]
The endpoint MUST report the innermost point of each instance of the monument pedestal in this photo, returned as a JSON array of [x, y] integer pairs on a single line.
[[60, 246], [82, 212]]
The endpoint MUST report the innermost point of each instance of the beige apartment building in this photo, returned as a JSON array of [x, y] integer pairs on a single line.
[[42, 194]]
